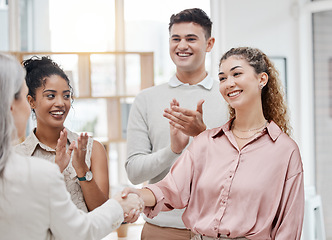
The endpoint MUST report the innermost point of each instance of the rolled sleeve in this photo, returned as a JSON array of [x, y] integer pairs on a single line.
[[151, 212]]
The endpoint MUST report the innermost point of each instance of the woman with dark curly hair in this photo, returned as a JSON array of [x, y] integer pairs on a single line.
[[34, 202], [243, 180], [50, 98]]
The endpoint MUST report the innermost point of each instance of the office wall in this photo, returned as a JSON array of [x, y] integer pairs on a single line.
[[323, 110]]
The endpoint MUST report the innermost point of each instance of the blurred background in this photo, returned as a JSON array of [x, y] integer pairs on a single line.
[[111, 49]]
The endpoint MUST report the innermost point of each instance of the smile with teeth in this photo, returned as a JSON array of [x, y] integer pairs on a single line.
[[58, 113], [235, 93], [183, 54]]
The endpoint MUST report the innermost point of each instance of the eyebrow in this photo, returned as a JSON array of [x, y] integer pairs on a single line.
[[191, 35], [232, 69], [188, 35], [50, 90]]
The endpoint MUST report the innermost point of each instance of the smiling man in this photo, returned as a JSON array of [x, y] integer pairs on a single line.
[[153, 142]]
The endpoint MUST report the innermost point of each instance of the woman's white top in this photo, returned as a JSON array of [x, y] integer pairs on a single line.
[[35, 204]]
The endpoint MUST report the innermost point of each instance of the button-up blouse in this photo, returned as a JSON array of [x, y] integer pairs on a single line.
[[255, 192]]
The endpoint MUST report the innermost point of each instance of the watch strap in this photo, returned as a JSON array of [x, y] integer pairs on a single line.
[[87, 177], [81, 178]]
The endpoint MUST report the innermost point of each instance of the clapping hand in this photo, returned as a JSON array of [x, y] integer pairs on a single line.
[[190, 122], [179, 139], [79, 163], [62, 155]]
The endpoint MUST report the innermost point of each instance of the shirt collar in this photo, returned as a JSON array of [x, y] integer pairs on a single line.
[[272, 129], [35, 142], [207, 82]]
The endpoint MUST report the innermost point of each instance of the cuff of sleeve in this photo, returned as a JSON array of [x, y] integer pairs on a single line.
[[151, 212], [116, 211]]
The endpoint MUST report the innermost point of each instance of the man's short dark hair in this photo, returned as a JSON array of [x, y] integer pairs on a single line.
[[195, 15]]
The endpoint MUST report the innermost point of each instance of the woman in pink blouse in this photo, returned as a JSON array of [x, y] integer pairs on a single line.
[[243, 180]]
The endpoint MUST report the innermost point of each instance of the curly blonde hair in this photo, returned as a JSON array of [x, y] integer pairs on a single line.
[[273, 102]]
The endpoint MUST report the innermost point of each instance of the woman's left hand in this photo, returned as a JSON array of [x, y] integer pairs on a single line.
[[79, 163]]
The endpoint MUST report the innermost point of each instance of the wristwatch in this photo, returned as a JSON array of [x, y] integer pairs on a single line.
[[88, 177]]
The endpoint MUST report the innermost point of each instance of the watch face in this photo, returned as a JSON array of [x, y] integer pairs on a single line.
[[88, 176]]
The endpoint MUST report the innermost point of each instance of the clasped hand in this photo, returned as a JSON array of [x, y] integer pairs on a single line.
[[132, 206]]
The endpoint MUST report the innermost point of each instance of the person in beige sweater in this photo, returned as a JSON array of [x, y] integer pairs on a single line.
[[152, 145]]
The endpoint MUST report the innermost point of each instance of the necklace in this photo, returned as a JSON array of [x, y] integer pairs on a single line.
[[250, 130], [244, 137]]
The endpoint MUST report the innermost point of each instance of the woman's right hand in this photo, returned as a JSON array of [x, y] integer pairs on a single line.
[[62, 155]]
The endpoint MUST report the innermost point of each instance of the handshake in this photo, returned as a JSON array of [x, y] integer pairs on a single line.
[[130, 198], [131, 203]]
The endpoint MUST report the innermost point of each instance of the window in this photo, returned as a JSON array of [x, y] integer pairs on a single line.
[[82, 25], [4, 45]]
